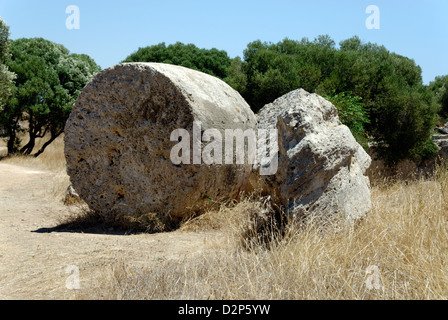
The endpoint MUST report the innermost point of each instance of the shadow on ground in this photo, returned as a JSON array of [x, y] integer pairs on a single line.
[[94, 224], [93, 229]]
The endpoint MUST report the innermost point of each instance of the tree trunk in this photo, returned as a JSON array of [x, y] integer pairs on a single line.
[[28, 148], [46, 144], [12, 142]]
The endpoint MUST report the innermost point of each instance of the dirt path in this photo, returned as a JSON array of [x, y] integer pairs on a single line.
[[35, 262]]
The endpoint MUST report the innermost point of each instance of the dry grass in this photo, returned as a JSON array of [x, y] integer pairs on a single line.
[[399, 251], [52, 159]]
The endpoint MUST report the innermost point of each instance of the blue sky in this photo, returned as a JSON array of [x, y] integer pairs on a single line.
[[111, 30]]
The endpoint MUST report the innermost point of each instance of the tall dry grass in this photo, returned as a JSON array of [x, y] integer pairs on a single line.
[[399, 251]]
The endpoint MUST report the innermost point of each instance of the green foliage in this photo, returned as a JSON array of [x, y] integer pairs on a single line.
[[6, 76], [213, 61], [406, 125], [352, 113], [273, 70], [399, 110], [236, 77], [425, 150], [439, 88], [49, 79]]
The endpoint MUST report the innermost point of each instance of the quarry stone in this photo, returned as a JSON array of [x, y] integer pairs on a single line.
[[321, 167]]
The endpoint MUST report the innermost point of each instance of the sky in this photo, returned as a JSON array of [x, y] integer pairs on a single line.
[[111, 30]]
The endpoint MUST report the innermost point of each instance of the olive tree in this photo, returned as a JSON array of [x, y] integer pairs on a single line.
[[49, 80]]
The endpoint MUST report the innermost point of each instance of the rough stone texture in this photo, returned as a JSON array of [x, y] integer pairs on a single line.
[[441, 142], [321, 167], [117, 140]]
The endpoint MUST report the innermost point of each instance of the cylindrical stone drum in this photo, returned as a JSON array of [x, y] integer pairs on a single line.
[[118, 140]]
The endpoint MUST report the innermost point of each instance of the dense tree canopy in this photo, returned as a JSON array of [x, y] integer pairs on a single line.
[[49, 79], [213, 61], [439, 88], [6, 76], [401, 110]]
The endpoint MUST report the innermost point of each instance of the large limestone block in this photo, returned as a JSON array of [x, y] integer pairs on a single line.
[[117, 140], [321, 167]]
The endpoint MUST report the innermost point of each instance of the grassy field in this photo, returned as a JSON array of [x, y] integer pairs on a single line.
[[399, 251]]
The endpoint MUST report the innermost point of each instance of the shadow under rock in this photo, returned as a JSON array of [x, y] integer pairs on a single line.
[[94, 224], [90, 223], [91, 229]]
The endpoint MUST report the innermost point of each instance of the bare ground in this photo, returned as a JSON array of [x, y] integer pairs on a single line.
[[34, 255]]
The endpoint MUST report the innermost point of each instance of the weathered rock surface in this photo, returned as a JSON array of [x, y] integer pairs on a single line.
[[441, 142], [321, 167], [117, 140]]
